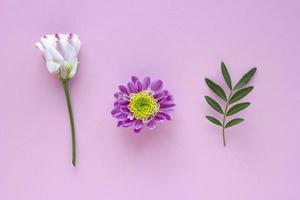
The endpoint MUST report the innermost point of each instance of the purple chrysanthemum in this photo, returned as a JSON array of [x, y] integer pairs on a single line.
[[142, 104]]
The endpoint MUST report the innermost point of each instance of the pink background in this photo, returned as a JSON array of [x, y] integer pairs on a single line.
[[181, 42]]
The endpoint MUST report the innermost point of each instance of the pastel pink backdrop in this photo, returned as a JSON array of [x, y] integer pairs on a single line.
[[181, 42]]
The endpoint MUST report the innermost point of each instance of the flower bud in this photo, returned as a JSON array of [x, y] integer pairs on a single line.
[[60, 52]]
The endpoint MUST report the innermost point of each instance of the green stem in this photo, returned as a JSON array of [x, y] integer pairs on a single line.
[[224, 118], [223, 125], [66, 89]]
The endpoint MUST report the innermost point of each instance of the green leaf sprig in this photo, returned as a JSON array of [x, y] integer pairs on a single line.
[[238, 92]]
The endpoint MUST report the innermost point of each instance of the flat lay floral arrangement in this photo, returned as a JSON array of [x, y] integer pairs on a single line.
[[142, 102]]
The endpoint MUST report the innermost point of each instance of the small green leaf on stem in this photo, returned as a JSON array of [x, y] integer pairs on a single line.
[[245, 79], [234, 122], [215, 105], [237, 108], [240, 94], [216, 89], [213, 120], [226, 75]]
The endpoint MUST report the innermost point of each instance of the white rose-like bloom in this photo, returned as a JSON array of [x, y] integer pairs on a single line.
[[60, 52]]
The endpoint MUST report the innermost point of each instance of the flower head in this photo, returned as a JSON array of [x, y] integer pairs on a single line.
[[142, 104], [60, 52]]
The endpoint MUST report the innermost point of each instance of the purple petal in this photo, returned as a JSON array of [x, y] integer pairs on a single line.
[[166, 110], [139, 86], [146, 83], [151, 124], [166, 92], [161, 100], [125, 97], [158, 95], [130, 116], [138, 126], [128, 123], [117, 95], [131, 87], [156, 85], [165, 115], [134, 79], [123, 102], [169, 98], [121, 116], [125, 110], [165, 98], [137, 130], [167, 104], [115, 110], [123, 89], [159, 118], [120, 123]]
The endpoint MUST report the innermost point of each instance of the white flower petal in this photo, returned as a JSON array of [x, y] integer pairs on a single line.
[[62, 36], [48, 45], [53, 66], [40, 46], [44, 52], [67, 50], [74, 68], [74, 40], [51, 39]]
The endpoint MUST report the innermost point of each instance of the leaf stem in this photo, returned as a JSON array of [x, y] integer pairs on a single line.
[[67, 94], [223, 134], [224, 118]]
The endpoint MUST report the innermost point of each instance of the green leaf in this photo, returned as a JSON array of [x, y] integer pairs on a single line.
[[216, 88], [214, 120], [234, 122], [240, 94], [237, 108], [245, 79], [215, 105], [226, 75]]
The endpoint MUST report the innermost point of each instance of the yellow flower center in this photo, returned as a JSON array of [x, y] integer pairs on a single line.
[[142, 105]]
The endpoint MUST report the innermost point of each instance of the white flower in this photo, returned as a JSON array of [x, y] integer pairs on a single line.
[[60, 52]]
